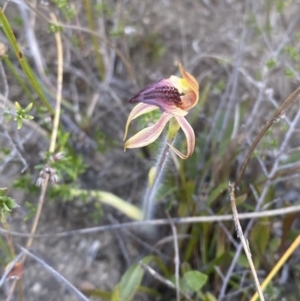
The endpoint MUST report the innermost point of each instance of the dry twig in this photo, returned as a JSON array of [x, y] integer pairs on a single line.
[[243, 240], [176, 257]]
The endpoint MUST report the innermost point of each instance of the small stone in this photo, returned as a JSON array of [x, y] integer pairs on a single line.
[[3, 49], [36, 288]]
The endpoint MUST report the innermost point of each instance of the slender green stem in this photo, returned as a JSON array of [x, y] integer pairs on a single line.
[[94, 38], [152, 189], [8, 237], [159, 169], [22, 60], [21, 82]]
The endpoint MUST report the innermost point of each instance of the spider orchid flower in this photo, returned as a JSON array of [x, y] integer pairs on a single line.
[[174, 97]]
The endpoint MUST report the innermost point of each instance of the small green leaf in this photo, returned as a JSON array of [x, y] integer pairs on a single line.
[[242, 261], [28, 117], [28, 108], [194, 280], [289, 73], [210, 297], [130, 281], [271, 64], [3, 191], [18, 107], [6, 203], [10, 203], [19, 123], [216, 193], [260, 235]]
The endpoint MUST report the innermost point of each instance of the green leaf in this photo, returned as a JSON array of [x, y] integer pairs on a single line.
[[242, 261], [210, 297], [216, 193], [116, 293], [95, 292], [193, 281], [260, 235], [130, 281], [18, 107], [28, 108], [112, 200], [6, 203], [3, 191], [19, 123], [10, 203]]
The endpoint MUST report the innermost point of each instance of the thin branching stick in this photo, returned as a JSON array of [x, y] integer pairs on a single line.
[[9, 268], [278, 114], [244, 241], [57, 276], [125, 60], [55, 126], [162, 222], [176, 257], [162, 279]]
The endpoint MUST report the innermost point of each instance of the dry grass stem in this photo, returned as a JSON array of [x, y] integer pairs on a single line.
[[161, 222], [176, 257], [243, 240]]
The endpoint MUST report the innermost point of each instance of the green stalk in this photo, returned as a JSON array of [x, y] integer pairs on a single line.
[[159, 169], [94, 38], [152, 189], [21, 82], [22, 60]]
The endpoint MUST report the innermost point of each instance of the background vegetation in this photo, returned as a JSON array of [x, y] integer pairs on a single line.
[[67, 69]]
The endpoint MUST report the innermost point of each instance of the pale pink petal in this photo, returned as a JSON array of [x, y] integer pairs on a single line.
[[137, 111], [149, 134], [162, 94], [190, 138]]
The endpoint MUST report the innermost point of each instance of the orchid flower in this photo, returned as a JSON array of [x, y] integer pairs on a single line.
[[174, 97]]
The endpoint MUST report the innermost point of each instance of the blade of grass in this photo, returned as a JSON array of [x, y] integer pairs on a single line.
[[112, 200], [20, 80], [22, 60], [95, 41]]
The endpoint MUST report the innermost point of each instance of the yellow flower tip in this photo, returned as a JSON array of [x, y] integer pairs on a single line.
[[190, 79]]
